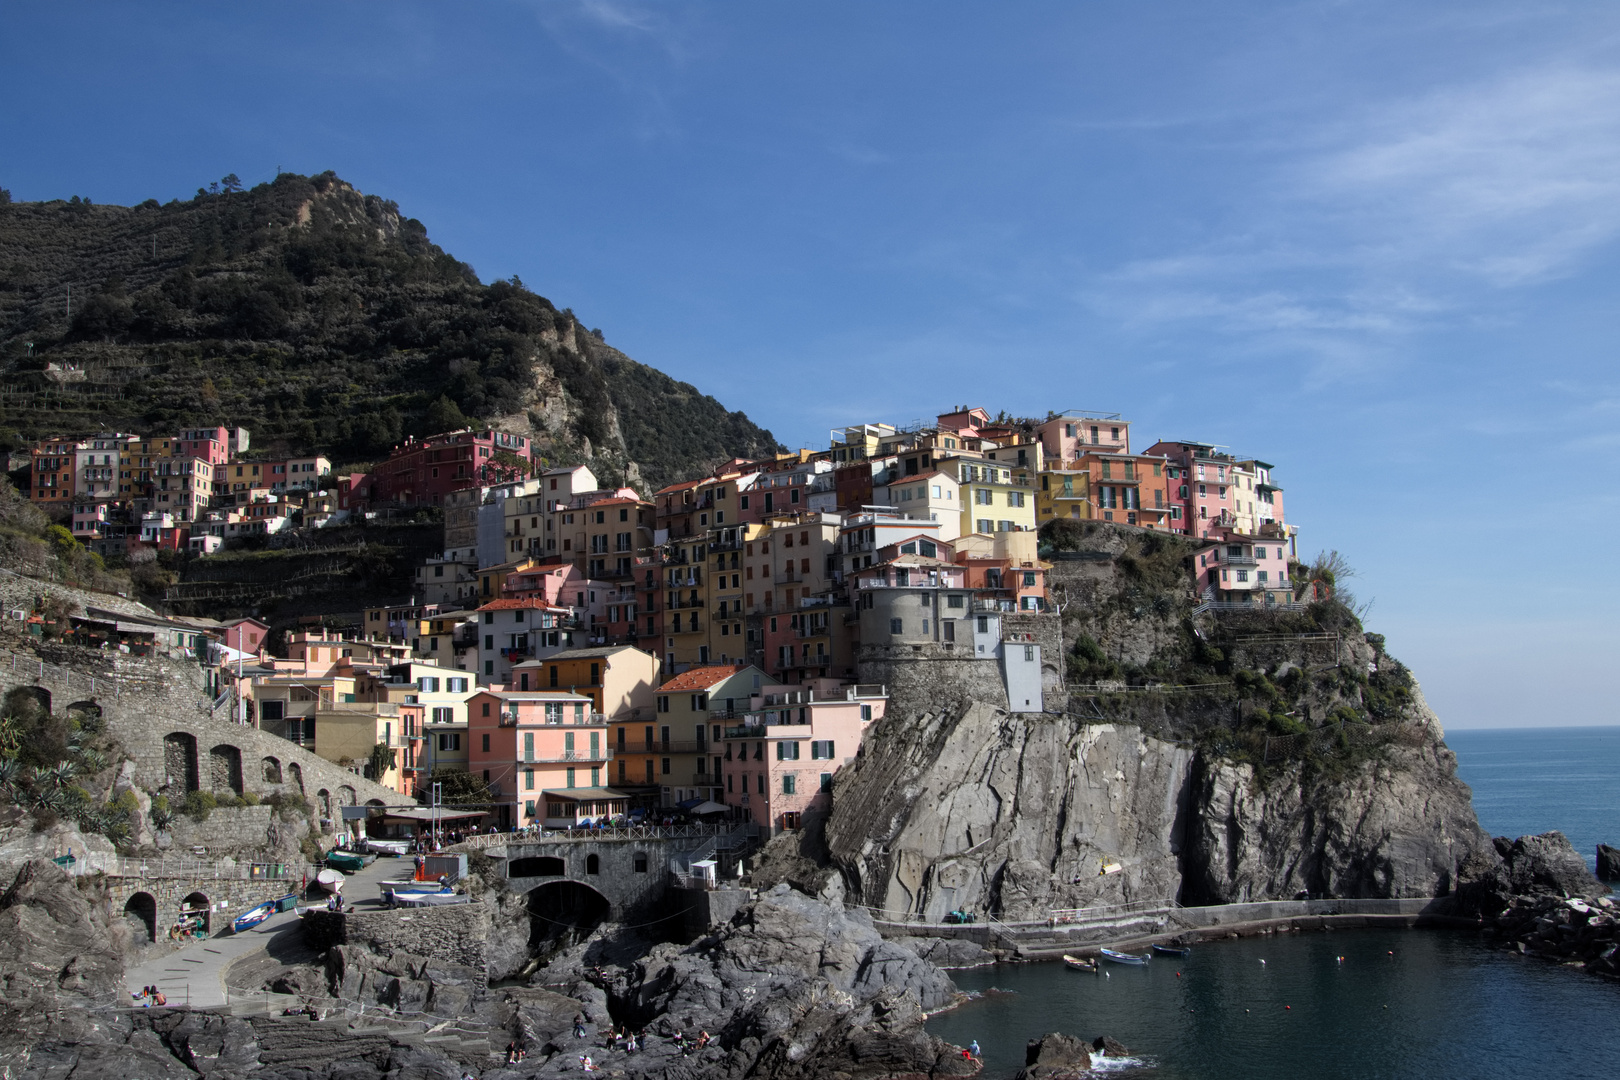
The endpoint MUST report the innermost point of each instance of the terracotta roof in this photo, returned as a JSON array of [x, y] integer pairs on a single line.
[[700, 678], [507, 603]]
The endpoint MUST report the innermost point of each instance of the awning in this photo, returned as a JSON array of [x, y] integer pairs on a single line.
[[584, 794], [709, 807], [426, 815]]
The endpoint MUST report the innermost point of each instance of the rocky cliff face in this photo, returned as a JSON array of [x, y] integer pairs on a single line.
[[1020, 814], [1289, 754]]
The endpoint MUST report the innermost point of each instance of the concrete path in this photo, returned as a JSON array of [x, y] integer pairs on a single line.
[[194, 976]]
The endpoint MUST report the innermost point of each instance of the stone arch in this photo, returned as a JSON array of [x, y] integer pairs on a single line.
[[323, 799], [197, 905], [39, 694], [593, 863], [536, 866], [140, 911], [346, 796], [296, 772], [378, 803], [563, 910], [180, 760], [225, 768], [88, 710], [272, 770]]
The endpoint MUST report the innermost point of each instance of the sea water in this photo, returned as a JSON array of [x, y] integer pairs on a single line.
[[1401, 1003], [1409, 1003], [1532, 780]]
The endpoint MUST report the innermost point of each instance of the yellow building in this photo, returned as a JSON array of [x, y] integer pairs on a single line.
[[677, 749], [346, 733], [993, 499]]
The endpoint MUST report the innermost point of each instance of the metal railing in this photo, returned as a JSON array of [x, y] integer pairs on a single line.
[[186, 869]]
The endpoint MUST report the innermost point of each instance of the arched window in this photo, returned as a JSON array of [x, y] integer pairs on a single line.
[[593, 864]]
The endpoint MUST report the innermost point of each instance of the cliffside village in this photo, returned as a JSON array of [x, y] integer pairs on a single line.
[[590, 653]]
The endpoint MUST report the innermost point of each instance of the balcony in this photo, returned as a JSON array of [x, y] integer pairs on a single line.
[[665, 746], [734, 544], [568, 756], [704, 779], [746, 731], [1238, 560], [820, 630], [690, 602], [1129, 478]]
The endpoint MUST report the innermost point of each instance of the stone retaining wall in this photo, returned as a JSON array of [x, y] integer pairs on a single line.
[[156, 709], [456, 935]]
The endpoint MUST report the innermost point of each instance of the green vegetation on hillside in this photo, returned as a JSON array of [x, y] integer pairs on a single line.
[[322, 320]]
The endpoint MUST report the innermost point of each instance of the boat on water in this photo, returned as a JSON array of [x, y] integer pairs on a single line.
[[253, 916], [346, 861], [1122, 957], [1075, 963], [330, 880], [1172, 950]]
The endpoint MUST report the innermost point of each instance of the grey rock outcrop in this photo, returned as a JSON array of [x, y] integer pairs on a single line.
[[1019, 815], [1608, 863], [1402, 825], [1056, 1057], [60, 957]]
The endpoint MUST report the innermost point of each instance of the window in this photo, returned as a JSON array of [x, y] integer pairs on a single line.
[[664, 767], [982, 496], [457, 685], [787, 751], [1015, 498], [789, 784], [896, 626], [821, 750], [760, 784], [486, 744], [528, 779], [826, 781]]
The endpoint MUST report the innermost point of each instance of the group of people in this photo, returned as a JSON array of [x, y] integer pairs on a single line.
[[149, 996], [516, 1052]]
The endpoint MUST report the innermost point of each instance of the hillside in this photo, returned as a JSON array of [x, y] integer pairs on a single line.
[[322, 320]]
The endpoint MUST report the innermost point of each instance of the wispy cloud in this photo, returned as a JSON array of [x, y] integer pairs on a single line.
[[1401, 216]]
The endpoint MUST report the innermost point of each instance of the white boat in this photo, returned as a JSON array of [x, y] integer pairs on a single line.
[[388, 847], [330, 880], [424, 899]]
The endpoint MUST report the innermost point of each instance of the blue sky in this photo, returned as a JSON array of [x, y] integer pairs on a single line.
[[1374, 243]]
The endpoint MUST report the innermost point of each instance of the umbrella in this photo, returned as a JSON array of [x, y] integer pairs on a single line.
[[708, 807]]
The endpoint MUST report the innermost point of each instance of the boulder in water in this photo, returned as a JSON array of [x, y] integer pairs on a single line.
[[1608, 863], [1055, 1057], [1109, 1047]]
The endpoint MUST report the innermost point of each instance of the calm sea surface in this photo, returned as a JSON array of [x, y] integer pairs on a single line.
[[1532, 780], [1424, 1003]]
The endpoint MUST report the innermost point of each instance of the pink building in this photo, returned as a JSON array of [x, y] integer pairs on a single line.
[[1208, 484], [544, 754], [1235, 569], [1071, 435], [779, 762], [247, 635], [558, 583]]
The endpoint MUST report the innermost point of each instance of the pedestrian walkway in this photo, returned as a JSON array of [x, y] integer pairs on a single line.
[[194, 976]]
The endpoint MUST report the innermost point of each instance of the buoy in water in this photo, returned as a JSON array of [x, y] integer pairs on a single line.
[[1290, 1007], [1262, 962]]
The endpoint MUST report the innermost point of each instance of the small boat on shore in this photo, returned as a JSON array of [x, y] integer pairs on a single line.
[[1075, 963], [393, 849], [330, 880], [346, 861], [424, 899], [1172, 950], [1122, 957], [253, 916]]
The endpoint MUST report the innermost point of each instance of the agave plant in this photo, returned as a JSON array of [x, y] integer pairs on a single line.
[[61, 774]]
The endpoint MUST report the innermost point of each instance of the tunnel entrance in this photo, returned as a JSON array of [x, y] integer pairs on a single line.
[[563, 913]]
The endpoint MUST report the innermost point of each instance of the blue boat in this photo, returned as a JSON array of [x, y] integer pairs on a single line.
[[253, 916], [1171, 950], [1122, 957]]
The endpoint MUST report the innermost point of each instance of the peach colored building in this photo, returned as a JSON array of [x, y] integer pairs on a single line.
[[783, 750], [528, 746]]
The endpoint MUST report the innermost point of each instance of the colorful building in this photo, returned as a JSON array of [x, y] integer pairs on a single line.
[[526, 746], [783, 749]]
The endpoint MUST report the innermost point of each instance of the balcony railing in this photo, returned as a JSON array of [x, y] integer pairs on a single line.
[[811, 631], [1239, 560], [704, 779], [567, 756], [665, 746], [746, 731], [688, 602]]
